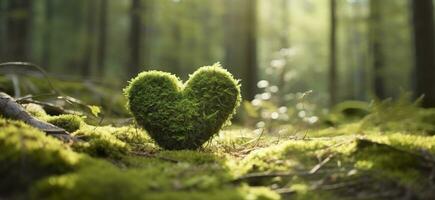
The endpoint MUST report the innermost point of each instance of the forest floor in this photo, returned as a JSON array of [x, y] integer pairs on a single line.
[[388, 154], [382, 151]]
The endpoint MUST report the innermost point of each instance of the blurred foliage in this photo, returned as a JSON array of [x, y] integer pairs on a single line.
[[402, 114], [181, 35]]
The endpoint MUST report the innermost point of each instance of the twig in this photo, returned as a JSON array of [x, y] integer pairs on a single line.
[[9, 108], [48, 107], [259, 137], [27, 64], [321, 164]]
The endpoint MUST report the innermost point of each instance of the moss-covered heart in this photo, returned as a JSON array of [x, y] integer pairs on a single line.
[[183, 116]]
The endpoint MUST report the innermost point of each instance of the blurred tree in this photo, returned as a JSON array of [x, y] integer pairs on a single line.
[[284, 37], [423, 23], [333, 82], [241, 43], [176, 35], [89, 39], [3, 16], [376, 34], [46, 48], [285, 44], [357, 51], [135, 38], [376, 47], [18, 30], [102, 32], [252, 64]]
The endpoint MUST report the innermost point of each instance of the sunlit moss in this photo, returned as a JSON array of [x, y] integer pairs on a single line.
[[140, 170], [108, 141], [152, 180], [35, 110], [400, 115], [404, 166], [70, 123], [28, 155], [205, 172], [99, 142], [283, 157], [134, 137], [411, 142]]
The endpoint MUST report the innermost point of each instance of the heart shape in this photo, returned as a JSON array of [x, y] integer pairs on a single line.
[[183, 116]]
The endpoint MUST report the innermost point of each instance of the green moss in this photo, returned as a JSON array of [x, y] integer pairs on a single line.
[[347, 111], [404, 166], [70, 123], [135, 138], [35, 110], [192, 156], [293, 154], [185, 116], [112, 142], [145, 178], [400, 115], [187, 174], [100, 142], [28, 155], [369, 158], [406, 141]]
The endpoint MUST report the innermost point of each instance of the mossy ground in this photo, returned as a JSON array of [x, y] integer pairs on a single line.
[[358, 159]]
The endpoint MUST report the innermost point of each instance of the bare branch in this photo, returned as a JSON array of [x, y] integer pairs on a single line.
[[9, 108]]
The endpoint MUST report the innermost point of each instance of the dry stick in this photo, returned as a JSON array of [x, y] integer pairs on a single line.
[[31, 65], [9, 108], [49, 107], [259, 137], [321, 164]]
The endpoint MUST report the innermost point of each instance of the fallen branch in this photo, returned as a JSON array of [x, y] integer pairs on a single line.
[[48, 107], [9, 108]]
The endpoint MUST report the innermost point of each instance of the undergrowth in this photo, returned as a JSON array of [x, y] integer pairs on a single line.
[[372, 155]]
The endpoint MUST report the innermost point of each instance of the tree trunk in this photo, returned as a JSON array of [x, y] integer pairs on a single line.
[[423, 23], [357, 38], [135, 39], [175, 60], [102, 37], [285, 23], [89, 40], [240, 22], [3, 9], [252, 65], [376, 48], [18, 30], [333, 85], [46, 49]]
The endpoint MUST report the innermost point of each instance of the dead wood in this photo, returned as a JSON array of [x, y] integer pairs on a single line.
[[9, 108]]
